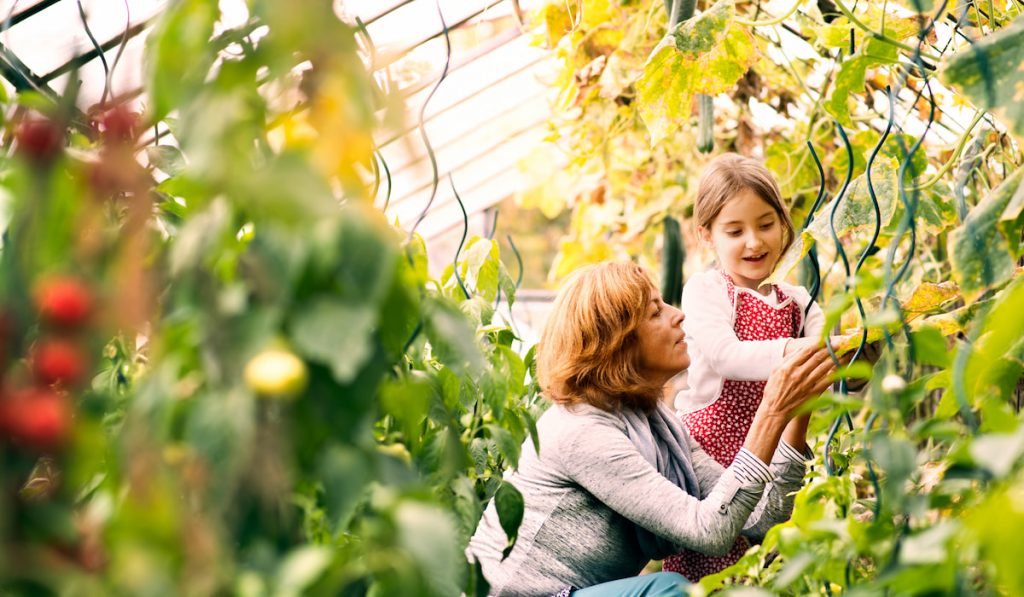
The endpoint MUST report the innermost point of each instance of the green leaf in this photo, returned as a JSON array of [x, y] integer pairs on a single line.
[[988, 72], [335, 334], [428, 534], [168, 159], [930, 347], [199, 238], [451, 338], [506, 443], [480, 267], [1012, 221], [856, 211], [345, 475], [301, 568], [849, 82], [928, 546], [706, 54], [510, 506], [980, 256], [179, 55], [407, 401], [998, 334], [998, 452]]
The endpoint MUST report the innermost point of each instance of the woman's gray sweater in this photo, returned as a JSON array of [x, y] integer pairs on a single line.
[[589, 485]]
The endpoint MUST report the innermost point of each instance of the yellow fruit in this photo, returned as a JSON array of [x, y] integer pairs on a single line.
[[276, 373]]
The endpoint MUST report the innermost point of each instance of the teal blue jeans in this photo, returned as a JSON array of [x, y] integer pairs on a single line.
[[658, 584]]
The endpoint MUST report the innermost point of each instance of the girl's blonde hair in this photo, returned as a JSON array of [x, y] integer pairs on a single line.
[[730, 174], [589, 351]]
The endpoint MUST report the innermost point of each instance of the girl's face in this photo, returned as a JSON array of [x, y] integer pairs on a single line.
[[747, 236]]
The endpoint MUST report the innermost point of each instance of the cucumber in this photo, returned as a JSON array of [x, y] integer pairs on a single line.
[[706, 124], [673, 255]]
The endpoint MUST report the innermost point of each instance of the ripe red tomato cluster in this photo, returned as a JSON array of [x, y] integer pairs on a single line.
[[39, 140], [40, 416]]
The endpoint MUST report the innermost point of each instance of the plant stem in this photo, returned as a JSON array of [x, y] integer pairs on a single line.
[[956, 154], [881, 36], [773, 21]]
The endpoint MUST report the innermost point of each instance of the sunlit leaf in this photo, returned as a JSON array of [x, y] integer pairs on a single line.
[[989, 72], [929, 296], [979, 253], [706, 54], [179, 55], [849, 82], [856, 210]]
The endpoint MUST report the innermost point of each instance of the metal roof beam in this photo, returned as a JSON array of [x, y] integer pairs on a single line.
[[28, 12], [463, 100], [398, 55], [78, 61]]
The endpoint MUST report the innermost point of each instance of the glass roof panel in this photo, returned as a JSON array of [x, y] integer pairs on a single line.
[[49, 39]]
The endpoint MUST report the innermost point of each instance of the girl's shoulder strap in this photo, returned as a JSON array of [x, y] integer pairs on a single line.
[[730, 287]]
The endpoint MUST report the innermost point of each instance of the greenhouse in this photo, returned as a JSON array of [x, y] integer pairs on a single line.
[[511, 297]]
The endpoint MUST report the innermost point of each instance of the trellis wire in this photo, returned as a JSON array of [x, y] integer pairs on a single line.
[[465, 230], [433, 160], [423, 128]]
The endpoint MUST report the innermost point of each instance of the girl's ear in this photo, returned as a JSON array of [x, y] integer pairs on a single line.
[[704, 234]]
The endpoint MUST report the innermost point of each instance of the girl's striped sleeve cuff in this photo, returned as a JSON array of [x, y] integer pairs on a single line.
[[750, 469]]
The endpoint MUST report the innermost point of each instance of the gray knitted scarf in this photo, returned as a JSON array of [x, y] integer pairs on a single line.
[[660, 438]]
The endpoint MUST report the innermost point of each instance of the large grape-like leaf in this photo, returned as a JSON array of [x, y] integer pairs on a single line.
[[980, 254], [849, 82], [706, 54], [856, 211], [1012, 220], [991, 73]]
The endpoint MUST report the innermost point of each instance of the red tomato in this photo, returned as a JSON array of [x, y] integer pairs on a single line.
[[39, 418], [65, 301], [40, 141], [119, 125], [58, 360]]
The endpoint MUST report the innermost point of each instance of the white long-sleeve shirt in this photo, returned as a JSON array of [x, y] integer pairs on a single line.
[[716, 354]]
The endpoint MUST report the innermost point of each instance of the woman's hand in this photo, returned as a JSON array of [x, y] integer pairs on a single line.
[[803, 375]]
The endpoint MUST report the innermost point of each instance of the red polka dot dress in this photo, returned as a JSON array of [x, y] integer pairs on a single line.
[[721, 427]]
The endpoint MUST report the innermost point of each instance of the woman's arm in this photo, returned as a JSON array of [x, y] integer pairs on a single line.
[[603, 461]]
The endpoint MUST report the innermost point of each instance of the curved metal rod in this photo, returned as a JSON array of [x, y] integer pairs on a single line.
[[95, 45], [812, 254], [877, 509], [108, 83], [465, 230], [519, 260], [423, 127], [387, 176], [841, 254], [494, 224], [870, 248]]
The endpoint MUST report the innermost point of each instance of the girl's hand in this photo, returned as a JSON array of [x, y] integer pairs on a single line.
[[797, 344], [803, 375]]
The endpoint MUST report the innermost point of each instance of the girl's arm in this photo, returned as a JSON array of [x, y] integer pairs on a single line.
[[709, 327]]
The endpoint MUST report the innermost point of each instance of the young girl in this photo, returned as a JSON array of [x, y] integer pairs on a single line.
[[738, 329]]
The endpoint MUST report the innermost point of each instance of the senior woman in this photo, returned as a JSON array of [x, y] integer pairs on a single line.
[[617, 481]]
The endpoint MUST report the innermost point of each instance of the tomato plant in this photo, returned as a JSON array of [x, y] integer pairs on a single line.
[[150, 299]]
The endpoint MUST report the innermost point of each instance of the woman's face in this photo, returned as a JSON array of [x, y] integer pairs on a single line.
[[663, 351]]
